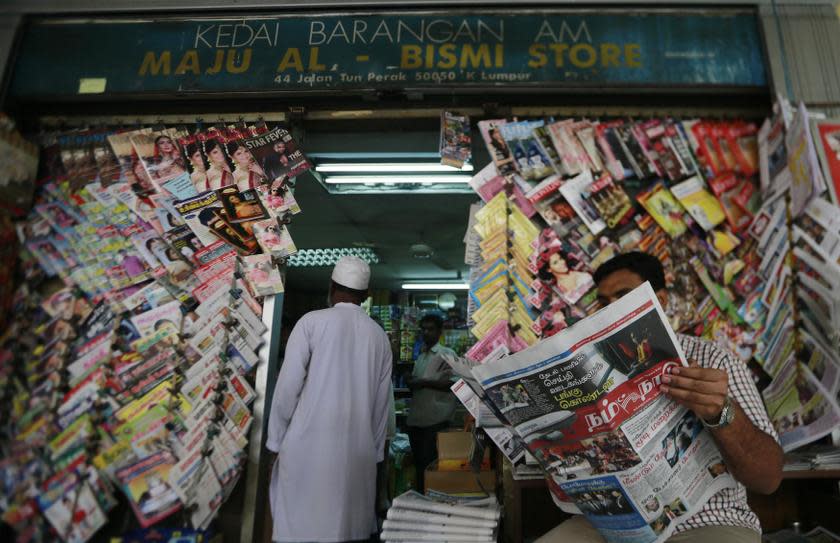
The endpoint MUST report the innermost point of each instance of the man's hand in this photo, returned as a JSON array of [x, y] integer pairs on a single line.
[[702, 390], [752, 456]]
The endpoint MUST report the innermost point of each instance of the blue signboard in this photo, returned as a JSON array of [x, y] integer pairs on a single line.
[[390, 51]]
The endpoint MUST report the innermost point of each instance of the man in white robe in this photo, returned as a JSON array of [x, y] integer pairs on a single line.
[[329, 417]]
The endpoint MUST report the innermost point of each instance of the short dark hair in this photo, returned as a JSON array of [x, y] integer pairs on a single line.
[[645, 265], [360, 295], [434, 319]]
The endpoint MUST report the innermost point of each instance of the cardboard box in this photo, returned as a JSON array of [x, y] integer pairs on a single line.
[[454, 450]]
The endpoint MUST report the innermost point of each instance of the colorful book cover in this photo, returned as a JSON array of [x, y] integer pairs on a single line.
[[664, 208]]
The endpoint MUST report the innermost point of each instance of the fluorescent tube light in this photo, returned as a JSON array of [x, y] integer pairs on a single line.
[[386, 167], [396, 179], [436, 286]]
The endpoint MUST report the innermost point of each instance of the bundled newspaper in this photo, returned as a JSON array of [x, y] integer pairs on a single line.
[[587, 404], [441, 518]]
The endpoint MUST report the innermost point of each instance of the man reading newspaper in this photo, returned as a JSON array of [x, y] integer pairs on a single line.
[[716, 387]]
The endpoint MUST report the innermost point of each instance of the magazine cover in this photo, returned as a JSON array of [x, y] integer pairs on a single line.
[[247, 174], [573, 190], [146, 484], [699, 203], [219, 172], [664, 208], [277, 154], [198, 213], [106, 161], [610, 200], [261, 275], [726, 188], [242, 206], [455, 140], [807, 180], [233, 234], [159, 154], [497, 148], [196, 164], [826, 133], [277, 198], [562, 268], [274, 238]]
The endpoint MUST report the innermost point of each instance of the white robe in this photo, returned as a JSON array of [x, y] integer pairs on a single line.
[[327, 425]]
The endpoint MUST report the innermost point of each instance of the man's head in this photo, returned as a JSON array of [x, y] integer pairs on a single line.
[[431, 327], [621, 274], [350, 280]]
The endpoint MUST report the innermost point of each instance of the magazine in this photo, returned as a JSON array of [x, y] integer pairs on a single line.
[[497, 148], [274, 238], [278, 199], [146, 484], [455, 141], [826, 133], [277, 154], [807, 179], [242, 206], [699, 203], [262, 277], [159, 154], [664, 208], [198, 213], [587, 404], [573, 190]]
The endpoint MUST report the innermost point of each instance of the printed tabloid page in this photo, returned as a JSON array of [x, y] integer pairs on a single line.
[[587, 404]]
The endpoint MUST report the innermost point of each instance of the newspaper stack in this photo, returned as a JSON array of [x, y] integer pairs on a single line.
[[442, 519], [826, 457]]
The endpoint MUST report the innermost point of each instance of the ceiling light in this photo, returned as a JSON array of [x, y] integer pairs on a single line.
[[386, 167], [396, 179], [436, 286], [328, 257]]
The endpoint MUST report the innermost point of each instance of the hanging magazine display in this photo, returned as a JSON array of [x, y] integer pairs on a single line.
[[139, 370]]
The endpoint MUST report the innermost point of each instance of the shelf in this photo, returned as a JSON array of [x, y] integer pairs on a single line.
[[812, 474]]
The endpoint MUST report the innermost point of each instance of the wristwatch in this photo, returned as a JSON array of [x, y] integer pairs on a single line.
[[727, 414]]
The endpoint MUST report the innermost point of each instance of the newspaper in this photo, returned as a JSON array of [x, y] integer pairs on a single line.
[[587, 404]]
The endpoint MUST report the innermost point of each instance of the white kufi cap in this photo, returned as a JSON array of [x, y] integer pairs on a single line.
[[351, 272]]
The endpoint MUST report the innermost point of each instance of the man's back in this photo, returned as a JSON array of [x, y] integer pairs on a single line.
[[327, 424]]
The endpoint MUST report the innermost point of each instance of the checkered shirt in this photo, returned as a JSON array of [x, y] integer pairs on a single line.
[[729, 506]]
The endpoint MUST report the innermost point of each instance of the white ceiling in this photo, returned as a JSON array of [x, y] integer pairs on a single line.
[[390, 223]]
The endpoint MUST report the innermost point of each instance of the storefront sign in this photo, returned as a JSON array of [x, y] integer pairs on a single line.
[[390, 51]]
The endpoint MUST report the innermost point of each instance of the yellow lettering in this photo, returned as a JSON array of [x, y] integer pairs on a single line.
[[189, 63], [313, 61], [609, 55], [576, 57], [217, 67], [291, 59], [410, 57], [430, 56], [500, 55], [558, 49], [232, 68], [632, 55], [156, 66], [476, 58], [538, 56], [448, 58]]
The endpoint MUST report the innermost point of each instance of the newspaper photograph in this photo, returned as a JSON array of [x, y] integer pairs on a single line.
[[588, 406]]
